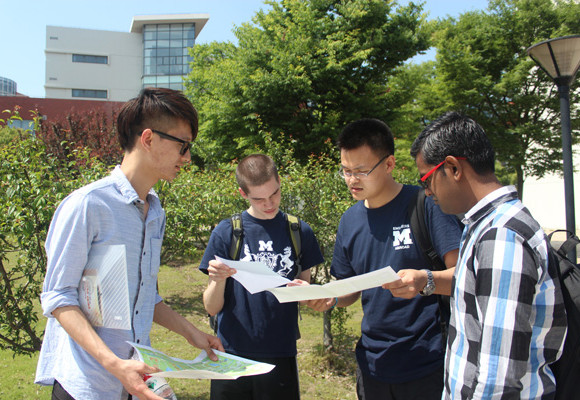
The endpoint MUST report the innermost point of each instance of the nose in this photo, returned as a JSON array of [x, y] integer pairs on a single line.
[[187, 156]]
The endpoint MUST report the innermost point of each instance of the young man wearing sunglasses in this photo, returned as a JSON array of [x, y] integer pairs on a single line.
[[82, 361], [508, 321], [399, 354]]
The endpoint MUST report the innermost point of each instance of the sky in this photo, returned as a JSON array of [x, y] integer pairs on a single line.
[[23, 25]]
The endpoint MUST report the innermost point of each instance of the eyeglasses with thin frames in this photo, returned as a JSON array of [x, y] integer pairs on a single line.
[[185, 145], [424, 181], [360, 175]]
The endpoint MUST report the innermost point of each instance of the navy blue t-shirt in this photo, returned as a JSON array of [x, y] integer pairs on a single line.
[[257, 325], [401, 339]]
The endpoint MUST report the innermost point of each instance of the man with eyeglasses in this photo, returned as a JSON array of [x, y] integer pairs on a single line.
[[87, 362], [508, 321], [399, 354]]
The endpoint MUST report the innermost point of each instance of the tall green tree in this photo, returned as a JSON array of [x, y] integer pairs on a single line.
[[483, 69], [303, 69]]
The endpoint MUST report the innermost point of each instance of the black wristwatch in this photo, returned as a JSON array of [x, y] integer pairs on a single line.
[[430, 286]]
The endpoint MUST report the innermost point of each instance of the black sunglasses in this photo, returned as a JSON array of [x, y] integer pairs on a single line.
[[185, 145]]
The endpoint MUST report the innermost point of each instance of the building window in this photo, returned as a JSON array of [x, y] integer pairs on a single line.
[[87, 58], [89, 93], [166, 54]]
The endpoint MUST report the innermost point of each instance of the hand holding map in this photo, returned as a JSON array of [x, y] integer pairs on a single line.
[[227, 366]]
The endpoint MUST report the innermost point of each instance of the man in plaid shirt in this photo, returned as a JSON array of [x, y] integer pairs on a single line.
[[508, 321]]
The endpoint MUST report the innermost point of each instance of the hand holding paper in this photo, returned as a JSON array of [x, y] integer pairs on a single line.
[[336, 288], [254, 276]]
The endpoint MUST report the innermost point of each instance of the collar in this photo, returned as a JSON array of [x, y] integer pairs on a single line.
[[490, 203], [126, 189]]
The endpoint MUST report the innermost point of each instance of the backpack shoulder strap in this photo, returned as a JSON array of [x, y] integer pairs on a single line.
[[421, 233], [237, 235], [294, 231]]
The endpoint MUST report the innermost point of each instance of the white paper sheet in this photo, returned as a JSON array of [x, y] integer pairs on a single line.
[[104, 290], [254, 276], [336, 288], [227, 366]]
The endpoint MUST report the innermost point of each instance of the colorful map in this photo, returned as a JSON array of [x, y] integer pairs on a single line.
[[202, 367]]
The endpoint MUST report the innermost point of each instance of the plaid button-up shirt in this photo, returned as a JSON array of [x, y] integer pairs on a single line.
[[508, 320]]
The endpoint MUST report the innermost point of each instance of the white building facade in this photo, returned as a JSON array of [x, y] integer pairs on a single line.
[[545, 197], [115, 66]]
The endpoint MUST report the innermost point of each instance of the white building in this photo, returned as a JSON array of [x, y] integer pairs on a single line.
[[545, 197], [114, 66]]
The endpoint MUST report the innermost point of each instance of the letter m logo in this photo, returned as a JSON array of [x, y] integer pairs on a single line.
[[402, 237]]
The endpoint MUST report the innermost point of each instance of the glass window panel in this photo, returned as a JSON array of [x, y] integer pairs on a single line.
[[175, 79], [163, 35], [176, 70], [189, 42], [150, 69], [150, 44], [162, 52], [163, 69], [176, 86], [163, 44], [163, 80], [177, 43], [149, 80], [87, 58], [150, 52], [175, 52], [149, 28], [163, 27], [177, 27], [150, 35], [176, 34]]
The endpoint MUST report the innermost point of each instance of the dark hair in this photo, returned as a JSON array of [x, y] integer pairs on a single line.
[[255, 170], [455, 134], [370, 132], [155, 108]]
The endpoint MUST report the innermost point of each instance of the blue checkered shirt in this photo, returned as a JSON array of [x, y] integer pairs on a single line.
[[508, 320], [104, 213]]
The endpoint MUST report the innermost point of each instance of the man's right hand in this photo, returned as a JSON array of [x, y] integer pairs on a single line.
[[130, 374]]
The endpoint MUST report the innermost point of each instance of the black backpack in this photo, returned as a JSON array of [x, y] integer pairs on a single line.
[[416, 212], [236, 247], [567, 368]]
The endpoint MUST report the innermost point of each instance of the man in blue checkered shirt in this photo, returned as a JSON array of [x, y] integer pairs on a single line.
[[508, 321]]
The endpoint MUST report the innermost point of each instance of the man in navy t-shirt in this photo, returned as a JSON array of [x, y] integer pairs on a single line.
[[400, 353], [257, 326]]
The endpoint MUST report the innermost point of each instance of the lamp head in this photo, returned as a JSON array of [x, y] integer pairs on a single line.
[[559, 57]]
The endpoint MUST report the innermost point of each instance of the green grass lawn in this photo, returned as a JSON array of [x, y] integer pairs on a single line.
[[323, 375]]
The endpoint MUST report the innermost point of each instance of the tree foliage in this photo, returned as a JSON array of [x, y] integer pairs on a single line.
[[483, 69], [32, 183], [93, 130], [302, 70]]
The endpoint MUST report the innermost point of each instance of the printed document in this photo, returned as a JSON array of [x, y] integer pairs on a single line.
[[227, 366], [103, 290], [255, 276], [335, 288]]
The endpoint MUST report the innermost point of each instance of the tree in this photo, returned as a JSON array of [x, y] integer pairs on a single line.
[[303, 69], [483, 69]]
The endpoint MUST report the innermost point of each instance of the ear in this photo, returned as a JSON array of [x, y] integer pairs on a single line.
[[146, 138], [390, 163], [454, 168], [243, 194]]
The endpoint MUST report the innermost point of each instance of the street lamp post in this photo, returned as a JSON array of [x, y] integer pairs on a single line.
[[560, 59]]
